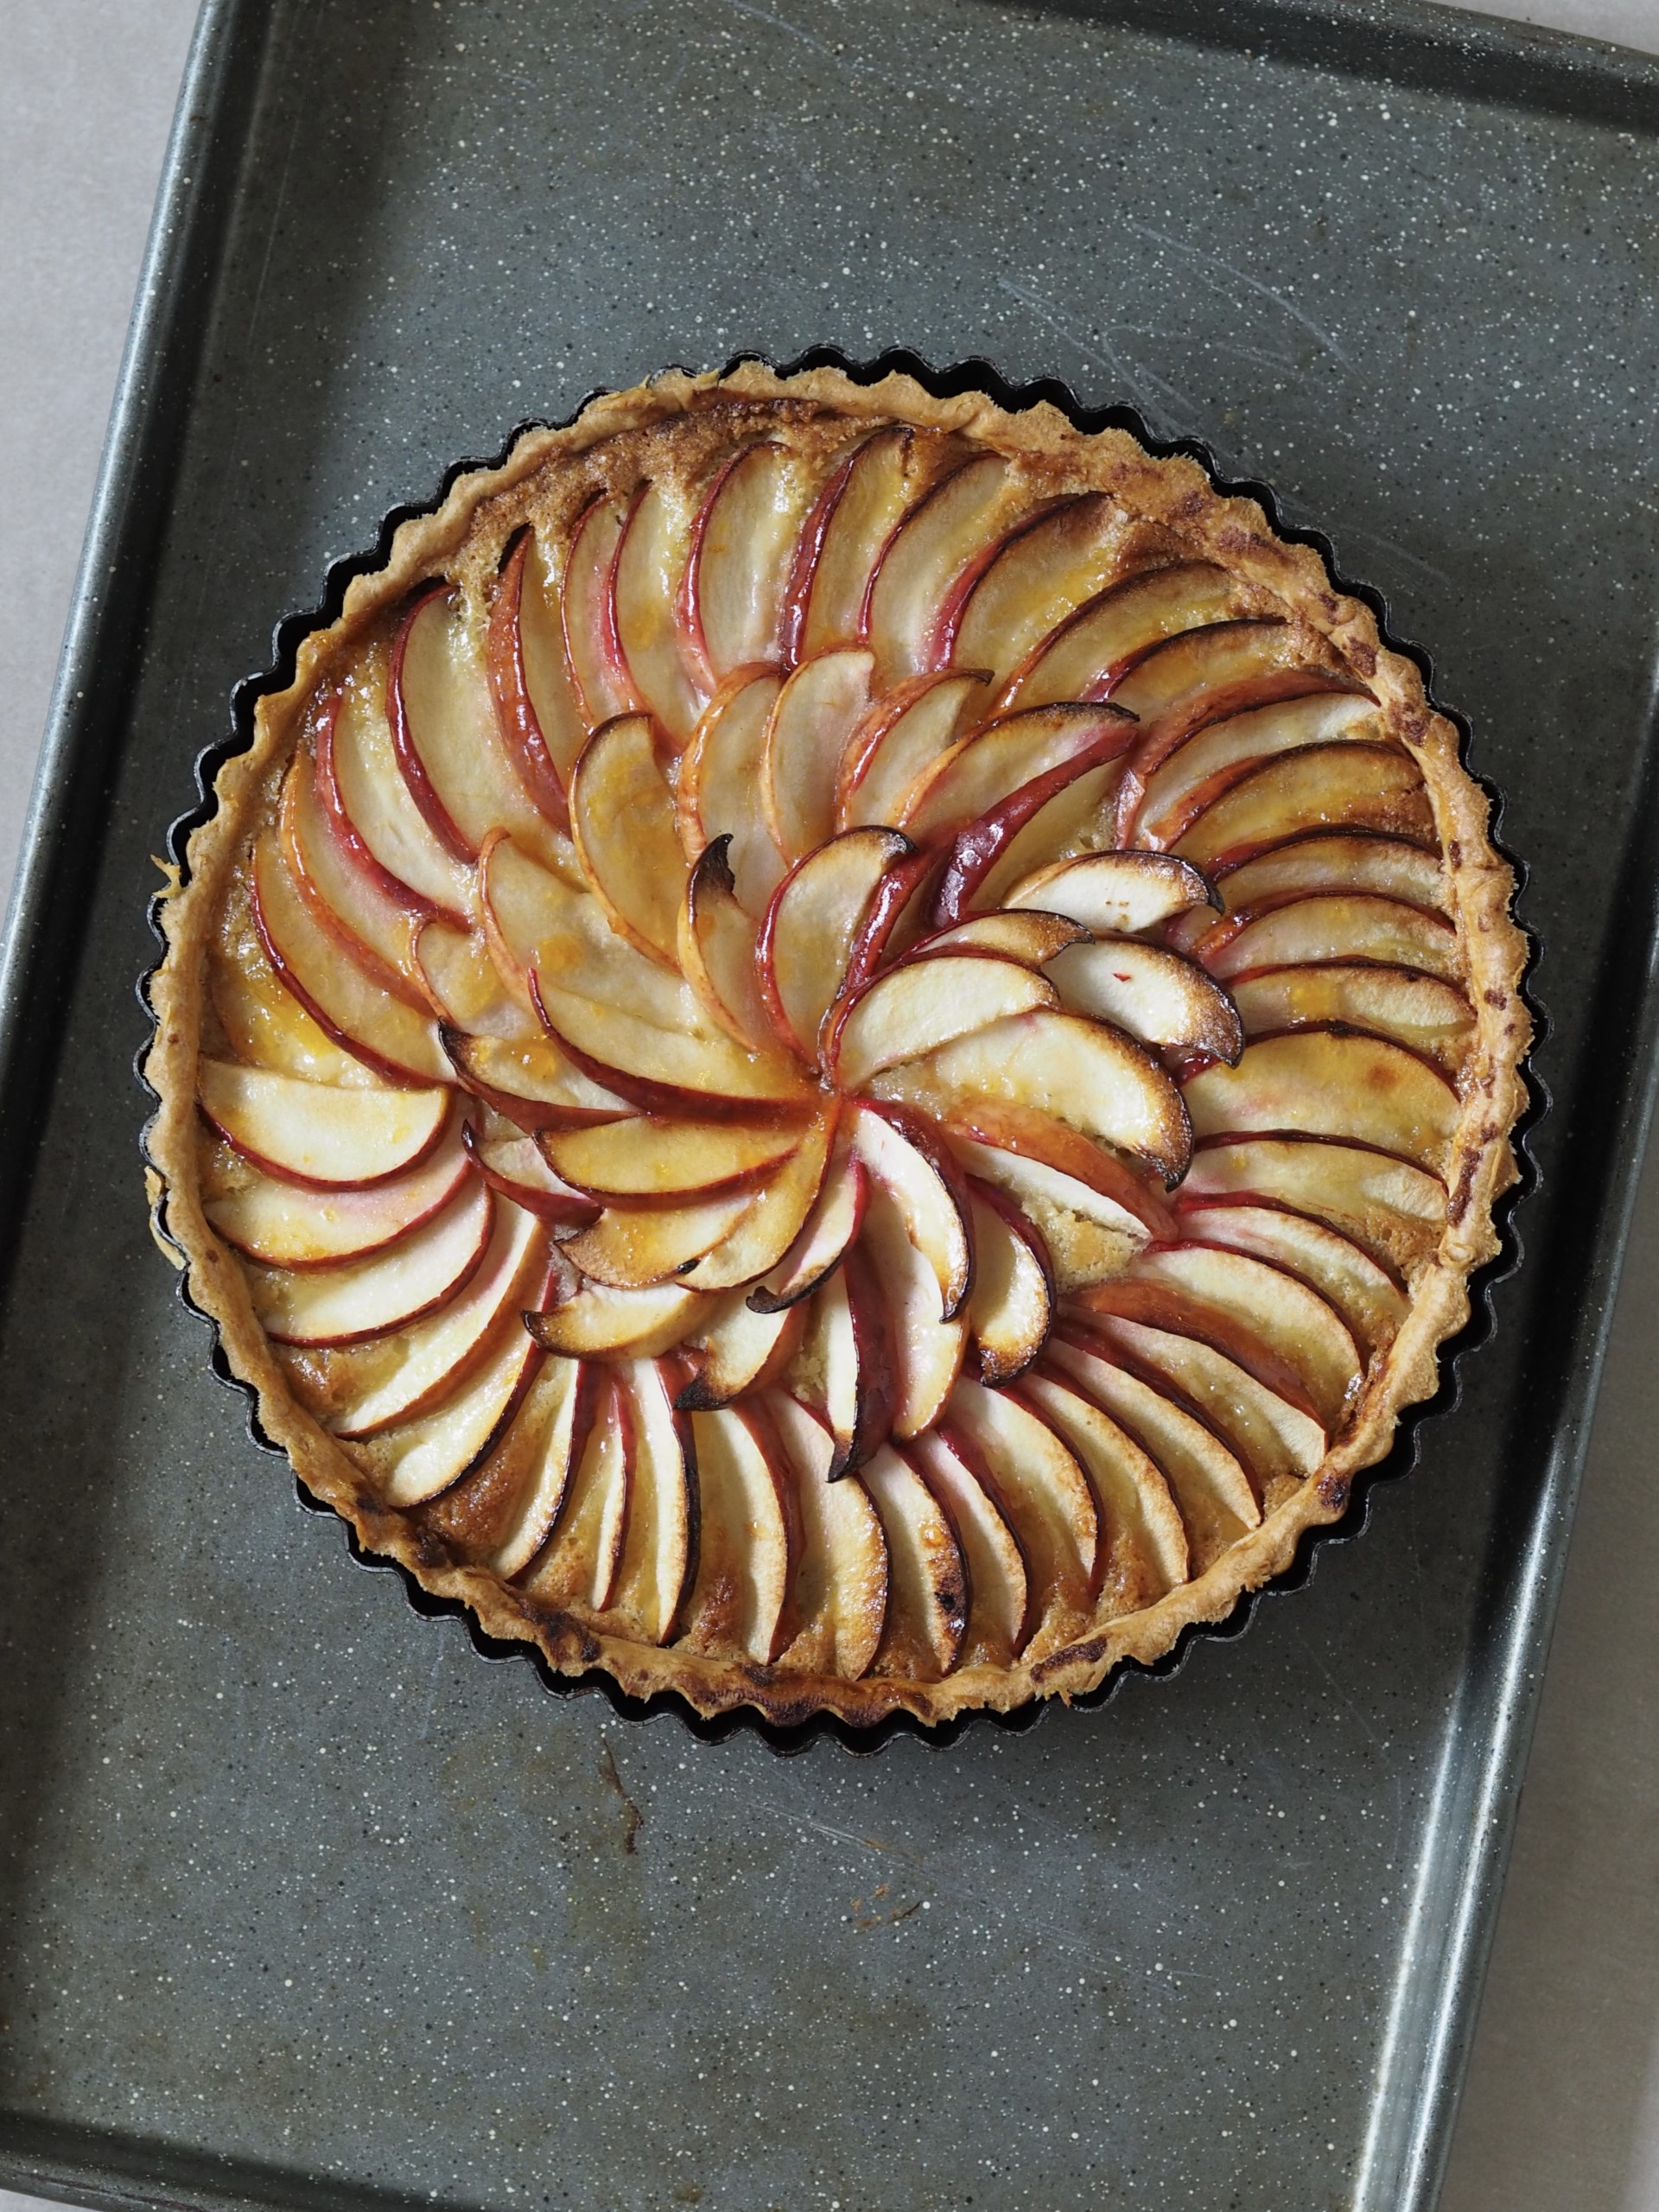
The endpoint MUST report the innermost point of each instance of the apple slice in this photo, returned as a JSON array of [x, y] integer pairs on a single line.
[[1072, 1069], [813, 927], [740, 1351], [290, 1225], [320, 1134], [346, 901], [529, 1081], [977, 774], [535, 706], [1087, 655], [592, 651], [650, 566], [742, 542], [350, 1300], [1031, 937], [1206, 1478], [642, 1160], [420, 1459], [369, 804], [1174, 1309], [1189, 681], [1116, 893], [1036, 1481], [1143, 1546], [1278, 1307], [659, 1547], [458, 981], [840, 1591], [545, 1446], [1062, 815], [673, 1071], [1321, 787], [1000, 1594], [1347, 861], [1367, 1296], [386, 1034], [1393, 1209], [1156, 996], [720, 777], [927, 1584], [923, 1352], [910, 1010], [405, 1376], [1427, 1016], [1339, 926], [264, 1025], [534, 920], [924, 1179], [962, 515], [767, 1231], [812, 719], [749, 1539], [622, 818], [580, 1563], [513, 1166], [1011, 1309], [593, 1319], [1324, 1083], [1085, 1235], [1204, 765], [903, 734], [634, 1248], [853, 519], [1002, 1126], [1037, 579], [848, 1355], [715, 944]]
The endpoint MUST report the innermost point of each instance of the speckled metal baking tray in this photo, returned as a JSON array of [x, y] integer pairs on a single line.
[[301, 1901]]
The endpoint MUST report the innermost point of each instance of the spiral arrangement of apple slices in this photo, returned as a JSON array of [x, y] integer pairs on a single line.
[[831, 1065]]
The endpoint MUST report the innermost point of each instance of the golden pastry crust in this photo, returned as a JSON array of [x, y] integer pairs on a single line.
[[676, 427]]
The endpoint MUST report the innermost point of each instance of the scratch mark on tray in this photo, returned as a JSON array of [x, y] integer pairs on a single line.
[[1101, 351], [1254, 284], [783, 23], [632, 1819]]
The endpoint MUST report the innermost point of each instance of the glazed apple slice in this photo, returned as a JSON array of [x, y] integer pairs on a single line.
[[1283, 1311], [840, 1592], [593, 1320], [1085, 1233], [530, 1082], [1036, 580], [386, 1034], [1369, 1297], [592, 651], [853, 519], [999, 1610], [739, 1351], [264, 1025], [537, 710], [1347, 861], [458, 981], [1031, 937], [1204, 765], [1394, 1210], [923, 1352], [1012, 1308], [535, 921], [1075, 1071], [673, 1071], [748, 1541], [1038, 1483], [511, 1164], [346, 901], [1427, 1016], [550, 1432], [742, 542], [766, 1234], [1086, 656], [1117, 894], [963, 514], [1369, 787], [1058, 810], [1001, 1125], [320, 1133], [924, 1179], [812, 929], [976, 775], [622, 818], [1154, 995], [716, 946], [1323, 1083], [659, 1546], [910, 1010], [1189, 681], [904, 733], [349, 1299], [927, 1584], [580, 1561], [651, 567], [832, 1225], [287, 1224], [815, 714], [414, 1371], [634, 1248], [847, 1353], [720, 777], [1175, 1310], [1143, 1546], [368, 803], [642, 1160], [420, 1459], [1339, 926]]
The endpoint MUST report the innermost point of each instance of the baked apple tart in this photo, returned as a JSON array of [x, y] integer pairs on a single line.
[[840, 1051]]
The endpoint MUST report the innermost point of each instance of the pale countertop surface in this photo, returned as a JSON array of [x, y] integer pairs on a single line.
[[1561, 2111]]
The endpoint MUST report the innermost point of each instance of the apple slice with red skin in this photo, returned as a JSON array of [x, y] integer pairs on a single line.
[[666, 1071], [848, 1351], [580, 1561], [1036, 579], [1330, 1083], [376, 1386], [421, 1458], [350, 1300], [632, 1248], [264, 1025], [1392, 1210], [813, 927], [1365, 787], [1152, 994], [717, 944], [720, 778], [385, 1034], [1001, 1125], [1143, 1542], [659, 1548], [1338, 925], [742, 542], [830, 1229], [839, 1596], [648, 588], [1427, 1016], [972, 779], [370, 808], [939, 647], [529, 1081], [892, 925], [904, 733], [1000, 1614], [460, 981], [1117, 894], [854, 517], [1347, 861], [1040, 1488], [738, 1351], [538, 1458], [1086, 657], [924, 1181], [513, 1166], [910, 1010], [622, 819], [593, 1319], [373, 930], [534, 920], [642, 1160], [927, 1579], [285, 1225], [324, 1134], [1370, 1297], [530, 679], [766, 1234], [1277, 1307], [820, 705], [961, 518], [1214, 756], [1172, 1307], [749, 1540], [1031, 937], [592, 651], [1011, 1309], [924, 1353], [1085, 1233]]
